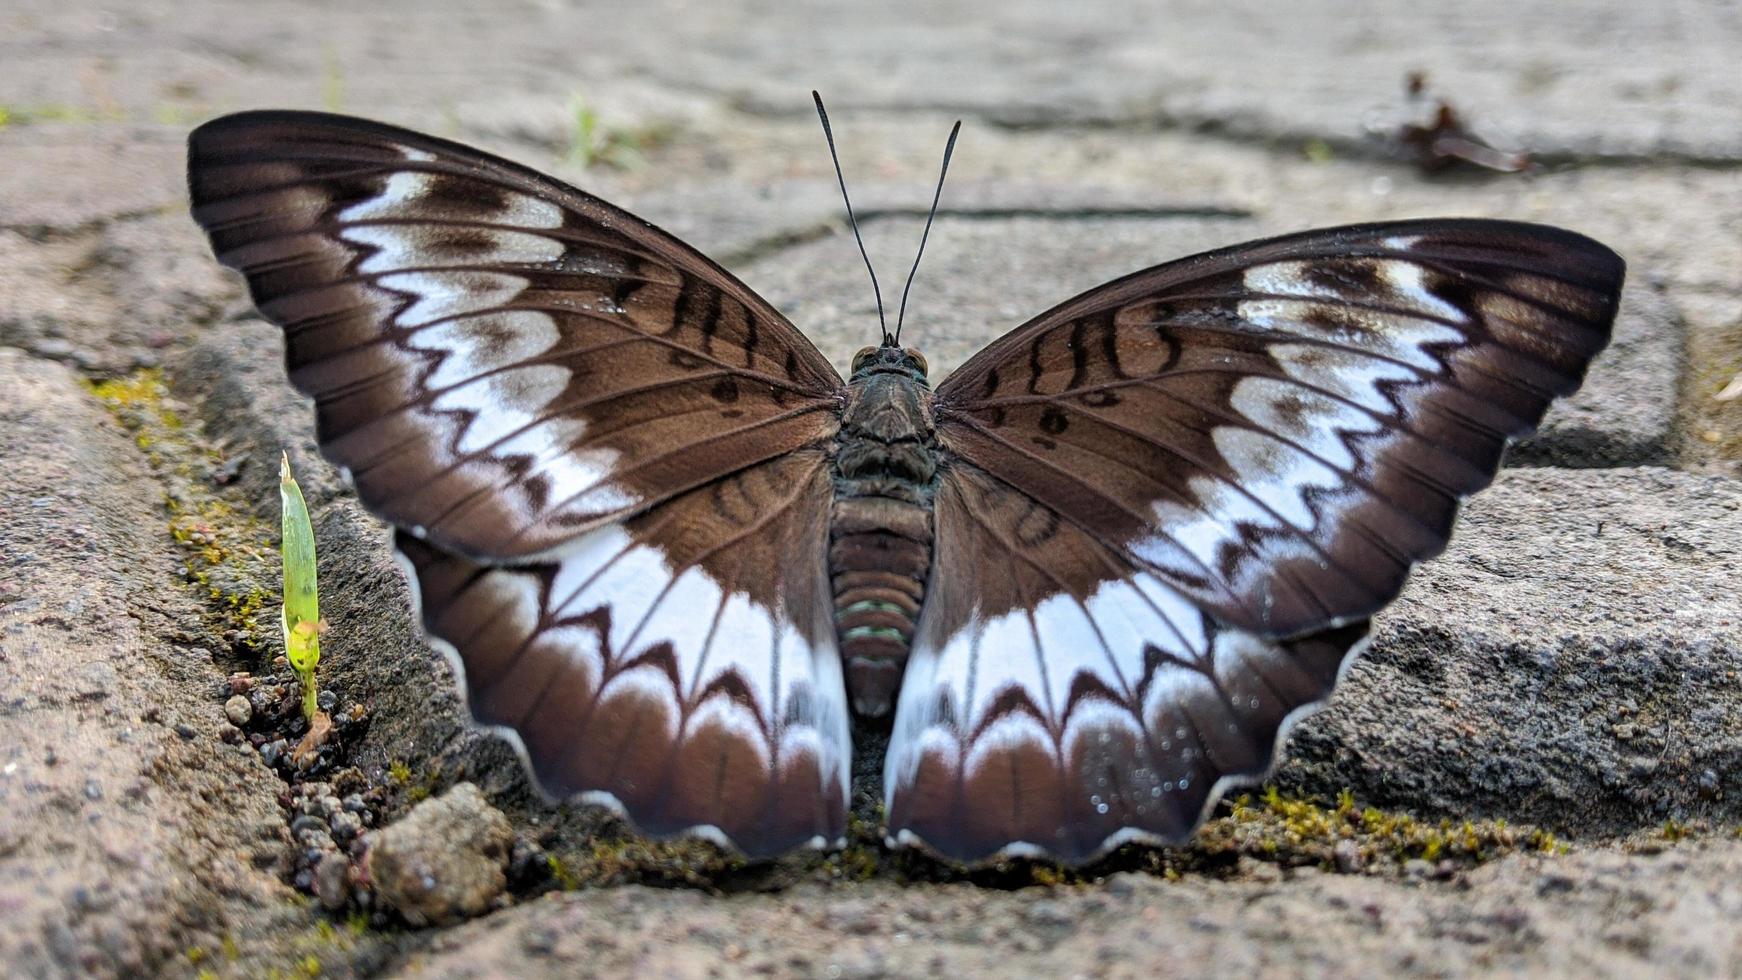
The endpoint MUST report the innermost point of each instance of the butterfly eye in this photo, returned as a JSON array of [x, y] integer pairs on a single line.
[[860, 358], [919, 359]]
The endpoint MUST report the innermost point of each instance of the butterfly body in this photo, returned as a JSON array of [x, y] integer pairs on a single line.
[[1098, 571], [880, 535]]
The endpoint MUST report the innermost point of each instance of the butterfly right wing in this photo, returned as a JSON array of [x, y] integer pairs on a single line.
[[680, 668], [501, 362]]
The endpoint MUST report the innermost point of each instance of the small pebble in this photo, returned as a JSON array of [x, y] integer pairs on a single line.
[[1417, 868], [1048, 913], [185, 730], [229, 733], [1347, 855], [238, 710], [332, 881], [345, 826], [1708, 784], [1121, 885]]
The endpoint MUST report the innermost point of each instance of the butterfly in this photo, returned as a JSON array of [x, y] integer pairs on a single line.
[[1086, 582]]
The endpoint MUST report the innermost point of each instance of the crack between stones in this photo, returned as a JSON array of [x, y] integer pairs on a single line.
[[781, 240], [1233, 133], [44, 234]]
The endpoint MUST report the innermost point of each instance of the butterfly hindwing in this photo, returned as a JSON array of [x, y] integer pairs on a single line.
[[499, 360], [680, 667], [1060, 700], [1169, 506]]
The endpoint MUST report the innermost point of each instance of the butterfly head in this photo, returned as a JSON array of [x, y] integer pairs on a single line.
[[890, 360]]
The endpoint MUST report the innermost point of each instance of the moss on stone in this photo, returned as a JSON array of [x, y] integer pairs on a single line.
[[631, 859], [227, 552], [1294, 832]]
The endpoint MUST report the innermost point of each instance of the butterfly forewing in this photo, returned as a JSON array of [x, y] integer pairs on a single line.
[[1282, 430], [1169, 506], [500, 361]]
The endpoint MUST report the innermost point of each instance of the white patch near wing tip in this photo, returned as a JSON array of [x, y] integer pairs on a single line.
[[438, 294], [402, 246], [401, 199]]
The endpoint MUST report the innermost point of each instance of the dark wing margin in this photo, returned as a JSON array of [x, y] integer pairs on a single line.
[[501, 362], [680, 668], [1281, 430]]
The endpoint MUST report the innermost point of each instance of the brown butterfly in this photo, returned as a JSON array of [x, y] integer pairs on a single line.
[[1095, 574]]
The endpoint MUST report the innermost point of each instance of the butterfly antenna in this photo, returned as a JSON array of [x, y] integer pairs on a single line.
[[829, 135], [937, 195]]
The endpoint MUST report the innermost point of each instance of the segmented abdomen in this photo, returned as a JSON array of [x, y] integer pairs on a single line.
[[879, 557]]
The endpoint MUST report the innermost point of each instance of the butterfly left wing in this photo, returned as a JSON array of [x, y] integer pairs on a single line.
[[604, 453], [1169, 505], [679, 668]]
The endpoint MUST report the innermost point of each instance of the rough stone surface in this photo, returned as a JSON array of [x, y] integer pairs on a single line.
[[1574, 661], [1571, 661], [1584, 915], [444, 861], [123, 841]]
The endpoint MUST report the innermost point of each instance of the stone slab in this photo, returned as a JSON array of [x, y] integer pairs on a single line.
[[1574, 661], [129, 833], [1597, 915]]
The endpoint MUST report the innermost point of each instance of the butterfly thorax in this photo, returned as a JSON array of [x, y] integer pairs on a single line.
[[880, 537]]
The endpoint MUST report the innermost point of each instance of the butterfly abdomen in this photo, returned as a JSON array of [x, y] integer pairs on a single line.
[[880, 533]]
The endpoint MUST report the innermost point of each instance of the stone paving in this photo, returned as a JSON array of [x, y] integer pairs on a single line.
[[1571, 664]]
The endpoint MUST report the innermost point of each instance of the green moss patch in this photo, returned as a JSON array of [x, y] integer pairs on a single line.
[[227, 552]]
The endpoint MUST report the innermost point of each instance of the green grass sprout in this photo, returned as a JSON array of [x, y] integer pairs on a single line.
[[593, 142], [301, 617]]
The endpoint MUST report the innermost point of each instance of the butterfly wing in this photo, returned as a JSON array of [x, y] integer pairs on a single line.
[[1207, 476], [1061, 700], [679, 667], [499, 361], [601, 449]]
